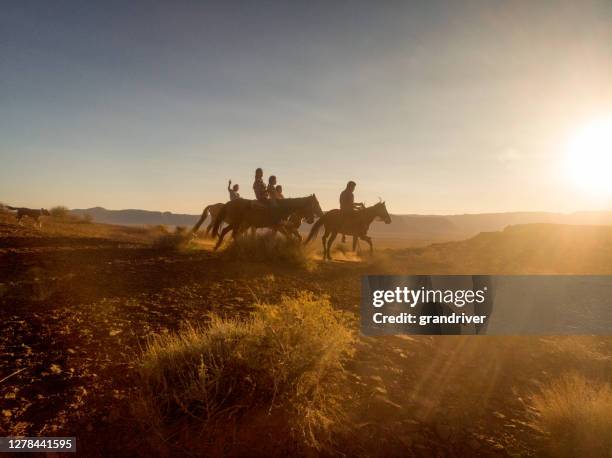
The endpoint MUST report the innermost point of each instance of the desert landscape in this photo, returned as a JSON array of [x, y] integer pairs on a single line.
[[82, 300], [306, 229]]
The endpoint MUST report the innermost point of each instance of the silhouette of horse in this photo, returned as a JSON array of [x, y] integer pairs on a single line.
[[212, 210], [35, 214], [350, 223], [241, 214]]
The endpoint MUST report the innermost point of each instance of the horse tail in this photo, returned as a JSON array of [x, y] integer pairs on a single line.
[[202, 218], [315, 229], [219, 221]]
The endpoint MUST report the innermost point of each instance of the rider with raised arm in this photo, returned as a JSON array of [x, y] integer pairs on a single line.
[[233, 191], [347, 201]]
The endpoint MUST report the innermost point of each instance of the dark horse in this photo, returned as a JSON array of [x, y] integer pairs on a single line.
[[350, 223], [241, 214]]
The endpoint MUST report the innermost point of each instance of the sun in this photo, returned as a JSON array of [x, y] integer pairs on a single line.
[[589, 156]]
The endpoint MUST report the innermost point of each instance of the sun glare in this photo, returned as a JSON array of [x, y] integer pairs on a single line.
[[589, 157]]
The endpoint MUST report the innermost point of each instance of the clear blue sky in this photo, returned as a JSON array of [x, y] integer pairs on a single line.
[[443, 107]]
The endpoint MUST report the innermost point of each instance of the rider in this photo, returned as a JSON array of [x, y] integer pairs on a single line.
[[279, 192], [259, 187], [233, 191], [271, 189], [347, 201], [273, 197]]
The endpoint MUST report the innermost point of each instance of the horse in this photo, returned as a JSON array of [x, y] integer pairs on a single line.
[[241, 214], [291, 226], [350, 223], [35, 214], [213, 210]]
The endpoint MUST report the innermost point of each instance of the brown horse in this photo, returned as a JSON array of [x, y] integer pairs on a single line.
[[350, 223], [212, 210], [241, 214]]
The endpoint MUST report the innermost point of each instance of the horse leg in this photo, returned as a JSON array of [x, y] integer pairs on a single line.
[[355, 240], [225, 230], [324, 241], [332, 237], [369, 240], [209, 227]]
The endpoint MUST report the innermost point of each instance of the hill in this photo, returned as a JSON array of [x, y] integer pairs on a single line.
[[518, 250], [414, 227]]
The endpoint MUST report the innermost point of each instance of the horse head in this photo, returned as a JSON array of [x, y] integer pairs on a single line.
[[315, 207], [382, 213]]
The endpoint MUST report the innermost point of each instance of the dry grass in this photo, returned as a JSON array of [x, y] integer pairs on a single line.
[[577, 414], [172, 241], [271, 248], [281, 367]]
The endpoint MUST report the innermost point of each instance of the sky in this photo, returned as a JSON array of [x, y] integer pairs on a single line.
[[435, 107]]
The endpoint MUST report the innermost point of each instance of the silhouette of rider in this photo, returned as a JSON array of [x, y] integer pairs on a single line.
[[271, 189], [347, 201], [273, 197], [259, 187], [279, 192], [233, 191]]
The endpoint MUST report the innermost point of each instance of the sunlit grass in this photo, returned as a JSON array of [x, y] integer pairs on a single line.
[[285, 360], [577, 415]]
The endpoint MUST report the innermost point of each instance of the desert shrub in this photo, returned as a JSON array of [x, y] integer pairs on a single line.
[[179, 239], [59, 212], [63, 215], [285, 360], [577, 414], [269, 247]]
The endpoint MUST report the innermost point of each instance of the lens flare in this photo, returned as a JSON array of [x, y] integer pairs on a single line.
[[589, 158]]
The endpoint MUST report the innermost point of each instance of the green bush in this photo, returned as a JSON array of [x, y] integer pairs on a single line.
[[285, 360]]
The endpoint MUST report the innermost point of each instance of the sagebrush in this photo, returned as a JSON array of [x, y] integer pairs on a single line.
[[176, 240], [577, 414], [284, 360], [269, 247]]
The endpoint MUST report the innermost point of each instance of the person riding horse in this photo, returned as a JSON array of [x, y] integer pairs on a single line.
[[347, 201], [259, 187], [233, 191]]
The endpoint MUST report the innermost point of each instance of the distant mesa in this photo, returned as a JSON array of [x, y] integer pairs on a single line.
[[425, 227]]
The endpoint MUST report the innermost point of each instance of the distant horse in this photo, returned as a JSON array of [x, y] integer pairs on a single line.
[[33, 213], [350, 223], [212, 210], [241, 214]]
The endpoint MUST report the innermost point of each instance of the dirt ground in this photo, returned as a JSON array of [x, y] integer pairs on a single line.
[[79, 301]]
